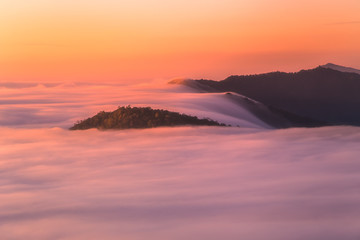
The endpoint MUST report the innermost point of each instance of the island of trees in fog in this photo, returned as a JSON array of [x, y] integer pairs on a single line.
[[140, 117]]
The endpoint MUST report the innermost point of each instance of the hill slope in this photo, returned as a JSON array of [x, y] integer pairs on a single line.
[[323, 94], [272, 116], [140, 117]]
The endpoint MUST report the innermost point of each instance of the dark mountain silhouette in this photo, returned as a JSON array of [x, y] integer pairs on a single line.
[[140, 117], [323, 94], [272, 116], [340, 68]]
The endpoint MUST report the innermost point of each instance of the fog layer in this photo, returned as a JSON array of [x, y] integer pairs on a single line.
[[61, 105], [180, 183]]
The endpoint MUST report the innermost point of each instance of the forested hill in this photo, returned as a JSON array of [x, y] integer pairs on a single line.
[[322, 93], [140, 117]]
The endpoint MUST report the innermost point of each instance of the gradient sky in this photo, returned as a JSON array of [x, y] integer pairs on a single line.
[[141, 40]]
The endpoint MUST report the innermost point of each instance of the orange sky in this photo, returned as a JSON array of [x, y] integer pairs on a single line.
[[141, 40]]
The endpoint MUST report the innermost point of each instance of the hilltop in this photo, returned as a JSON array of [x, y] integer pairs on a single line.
[[140, 117]]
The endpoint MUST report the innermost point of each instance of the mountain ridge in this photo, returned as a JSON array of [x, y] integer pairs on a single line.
[[322, 93], [340, 68]]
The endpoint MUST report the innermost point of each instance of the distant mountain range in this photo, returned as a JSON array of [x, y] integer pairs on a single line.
[[328, 94]]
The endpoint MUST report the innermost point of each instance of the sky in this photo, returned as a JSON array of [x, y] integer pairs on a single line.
[[136, 41]]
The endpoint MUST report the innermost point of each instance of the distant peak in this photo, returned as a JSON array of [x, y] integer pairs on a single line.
[[331, 65], [340, 68]]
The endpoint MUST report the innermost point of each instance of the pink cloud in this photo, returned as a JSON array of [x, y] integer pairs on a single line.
[[180, 183]]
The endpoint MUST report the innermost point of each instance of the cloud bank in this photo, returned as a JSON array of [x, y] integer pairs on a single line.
[[61, 105], [180, 183]]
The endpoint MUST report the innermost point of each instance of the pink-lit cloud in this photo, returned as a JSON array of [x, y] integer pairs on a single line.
[[61, 105], [168, 183], [180, 183]]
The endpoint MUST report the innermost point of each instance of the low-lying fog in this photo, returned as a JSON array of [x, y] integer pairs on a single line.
[[61, 105], [169, 183]]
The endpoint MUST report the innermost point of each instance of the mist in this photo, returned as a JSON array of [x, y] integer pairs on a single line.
[[247, 182], [180, 183], [61, 105]]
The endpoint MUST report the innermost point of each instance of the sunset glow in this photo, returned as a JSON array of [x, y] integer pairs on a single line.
[[132, 41], [179, 119]]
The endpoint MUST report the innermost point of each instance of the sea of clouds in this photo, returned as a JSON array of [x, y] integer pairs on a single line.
[[61, 105], [175, 183]]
